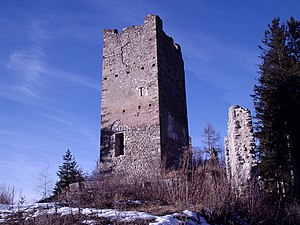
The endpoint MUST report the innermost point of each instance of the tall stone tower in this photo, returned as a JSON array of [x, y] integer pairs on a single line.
[[143, 106], [239, 147]]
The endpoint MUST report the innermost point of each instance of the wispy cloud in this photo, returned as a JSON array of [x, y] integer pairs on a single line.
[[78, 79], [57, 119], [70, 121], [33, 74], [222, 63], [26, 65], [29, 62], [24, 70], [28, 72], [36, 32]]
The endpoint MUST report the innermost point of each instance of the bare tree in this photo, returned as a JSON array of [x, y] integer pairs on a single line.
[[45, 183], [7, 194], [211, 140]]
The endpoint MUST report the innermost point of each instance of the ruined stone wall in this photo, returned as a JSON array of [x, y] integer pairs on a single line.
[[132, 102], [172, 96], [239, 147]]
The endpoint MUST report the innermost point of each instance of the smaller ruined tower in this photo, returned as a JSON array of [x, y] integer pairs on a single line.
[[239, 147]]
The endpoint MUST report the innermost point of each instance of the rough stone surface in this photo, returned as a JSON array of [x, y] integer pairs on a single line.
[[143, 97], [239, 147]]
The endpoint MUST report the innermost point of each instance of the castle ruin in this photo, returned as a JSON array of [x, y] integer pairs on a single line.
[[143, 105], [239, 149]]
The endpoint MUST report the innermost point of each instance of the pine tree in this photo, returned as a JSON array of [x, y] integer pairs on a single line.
[[276, 101], [294, 95], [68, 173]]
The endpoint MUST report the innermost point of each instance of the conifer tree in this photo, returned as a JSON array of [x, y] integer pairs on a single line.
[[293, 38], [276, 101], [68, 173]]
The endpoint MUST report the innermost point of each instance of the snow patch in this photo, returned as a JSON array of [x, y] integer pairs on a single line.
[[166, 220], [37, 209]]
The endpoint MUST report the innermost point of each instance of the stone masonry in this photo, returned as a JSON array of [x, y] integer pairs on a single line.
[[239, 147], [143, 105]]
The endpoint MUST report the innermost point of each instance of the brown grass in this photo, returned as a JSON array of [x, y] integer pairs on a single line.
[[203, 188], [189, 187]]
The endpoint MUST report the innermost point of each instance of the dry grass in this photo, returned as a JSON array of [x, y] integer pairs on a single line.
[[71, 219], [203, 188], [189, 187]]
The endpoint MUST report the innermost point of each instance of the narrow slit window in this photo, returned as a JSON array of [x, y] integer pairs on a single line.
[[119, 144], [141, 91]]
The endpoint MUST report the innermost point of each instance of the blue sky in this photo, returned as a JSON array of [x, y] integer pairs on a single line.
[[50, 71]]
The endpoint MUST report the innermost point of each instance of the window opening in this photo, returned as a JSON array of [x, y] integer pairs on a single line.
[[119, 144], [141, 91]]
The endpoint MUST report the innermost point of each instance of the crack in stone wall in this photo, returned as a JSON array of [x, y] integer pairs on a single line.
[[122, 53]]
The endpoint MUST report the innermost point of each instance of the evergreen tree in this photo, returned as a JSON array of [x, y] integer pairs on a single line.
[[276, 101], [294, 95], [68, 173]]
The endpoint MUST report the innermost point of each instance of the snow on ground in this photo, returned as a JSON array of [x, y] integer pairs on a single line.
[[34, 210]]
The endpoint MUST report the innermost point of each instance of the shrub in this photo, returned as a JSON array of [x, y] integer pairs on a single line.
[[203, 188], [7, 194]]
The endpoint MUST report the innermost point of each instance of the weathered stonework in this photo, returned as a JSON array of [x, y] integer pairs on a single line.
[[239, 147], [143, 104]]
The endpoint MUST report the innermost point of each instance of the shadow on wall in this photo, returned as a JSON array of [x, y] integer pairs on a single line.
[[105, 145]]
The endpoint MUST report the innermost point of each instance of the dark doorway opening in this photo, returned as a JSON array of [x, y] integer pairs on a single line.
[[119, 144]]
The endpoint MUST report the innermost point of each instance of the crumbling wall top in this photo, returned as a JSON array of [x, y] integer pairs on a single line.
[[150, 20]]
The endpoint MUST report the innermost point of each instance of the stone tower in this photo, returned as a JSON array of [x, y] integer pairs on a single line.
[[239, 147], [143, 105]]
